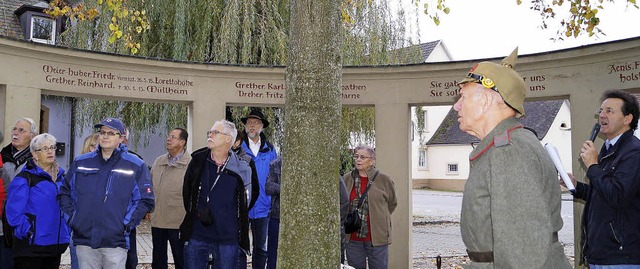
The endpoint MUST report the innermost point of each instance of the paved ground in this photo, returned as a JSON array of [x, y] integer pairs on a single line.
[[436, 231]]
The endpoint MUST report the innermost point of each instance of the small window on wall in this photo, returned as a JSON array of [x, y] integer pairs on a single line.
[[452, 169], [422, 159], [43, 30]]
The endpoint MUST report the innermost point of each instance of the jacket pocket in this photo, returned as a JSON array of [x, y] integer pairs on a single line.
[[31, 235], [616, 235]]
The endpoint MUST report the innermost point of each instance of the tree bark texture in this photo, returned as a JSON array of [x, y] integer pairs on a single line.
[[310, 220]]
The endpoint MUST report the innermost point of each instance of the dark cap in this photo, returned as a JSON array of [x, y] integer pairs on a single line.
[[501, 78], [112, 123], [256, 114]]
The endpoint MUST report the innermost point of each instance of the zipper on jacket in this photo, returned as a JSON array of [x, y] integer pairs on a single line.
[[107, 188], [615, 236]]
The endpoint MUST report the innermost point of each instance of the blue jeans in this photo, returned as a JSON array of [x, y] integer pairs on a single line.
[[272, 243], [259, 229], [196, 255], [617, 266], [160, 237]]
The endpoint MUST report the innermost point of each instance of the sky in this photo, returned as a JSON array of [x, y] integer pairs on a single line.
[[478, 29]]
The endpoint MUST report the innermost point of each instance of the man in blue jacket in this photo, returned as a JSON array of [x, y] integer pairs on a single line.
[[611, 220], [106, 193], [262, 153]]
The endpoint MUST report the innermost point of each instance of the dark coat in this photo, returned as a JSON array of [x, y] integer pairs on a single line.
[[236, 167], [611, 219]]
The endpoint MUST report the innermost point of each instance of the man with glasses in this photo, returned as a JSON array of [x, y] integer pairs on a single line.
[[611, 219], [216, 191], [14, 157], [511, 204], [167, 174], [106, 193], [262, 153]]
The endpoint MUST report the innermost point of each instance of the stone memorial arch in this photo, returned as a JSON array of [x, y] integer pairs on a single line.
[[28, 70]]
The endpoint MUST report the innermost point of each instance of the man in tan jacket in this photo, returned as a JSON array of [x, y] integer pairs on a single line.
[[167, 174], [511, 205]]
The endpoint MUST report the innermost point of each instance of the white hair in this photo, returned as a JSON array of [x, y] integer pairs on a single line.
[[33, 129], [37, 141]]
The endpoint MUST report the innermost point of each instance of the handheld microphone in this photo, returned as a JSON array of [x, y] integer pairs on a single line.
[[594, 132]]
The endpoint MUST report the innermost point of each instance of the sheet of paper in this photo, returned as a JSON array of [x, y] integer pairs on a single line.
[[555, 157]]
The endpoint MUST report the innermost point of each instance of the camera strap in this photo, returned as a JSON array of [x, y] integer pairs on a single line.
[[218, 177]]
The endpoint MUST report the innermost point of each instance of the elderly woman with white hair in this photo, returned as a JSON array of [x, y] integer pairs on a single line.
[[369, 244], [40, 234]]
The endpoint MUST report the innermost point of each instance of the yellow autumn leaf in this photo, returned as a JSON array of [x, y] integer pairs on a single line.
[[139, 29], [113, 27], [118, 34], [144, 12], [99, 2], [92, 13], [134, 50]]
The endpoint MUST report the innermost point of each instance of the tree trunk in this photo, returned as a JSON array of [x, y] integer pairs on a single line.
[[310, 220]]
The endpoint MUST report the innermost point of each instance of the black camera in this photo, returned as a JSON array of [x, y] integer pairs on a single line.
[[205, 216]]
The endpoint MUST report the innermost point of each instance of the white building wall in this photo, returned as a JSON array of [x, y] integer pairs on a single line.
[[439, 54], [440, 156], [435, 115], [559, 135]]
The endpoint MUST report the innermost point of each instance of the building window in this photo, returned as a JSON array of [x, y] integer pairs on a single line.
[[452, 169], [422, 159], [43, 30]]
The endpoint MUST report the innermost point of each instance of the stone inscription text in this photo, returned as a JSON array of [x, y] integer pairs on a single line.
[[625, 72], [73, 76], [277, 90]]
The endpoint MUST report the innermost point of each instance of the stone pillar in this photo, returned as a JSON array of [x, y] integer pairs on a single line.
[[202, 114], [393, 147], [19, 102]]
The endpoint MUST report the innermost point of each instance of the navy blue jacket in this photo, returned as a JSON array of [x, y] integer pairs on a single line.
[[611, 219], [34, 214], [104, 200]]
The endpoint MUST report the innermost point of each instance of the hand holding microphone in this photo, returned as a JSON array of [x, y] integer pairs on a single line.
[[594, 132], [588, 153]]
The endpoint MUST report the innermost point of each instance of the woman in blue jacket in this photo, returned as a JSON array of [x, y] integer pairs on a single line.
[[40, 233]]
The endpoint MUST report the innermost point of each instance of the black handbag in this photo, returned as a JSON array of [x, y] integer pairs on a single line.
[[353, 222]]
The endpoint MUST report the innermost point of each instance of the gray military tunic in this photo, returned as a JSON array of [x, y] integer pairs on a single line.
[[511, 203]]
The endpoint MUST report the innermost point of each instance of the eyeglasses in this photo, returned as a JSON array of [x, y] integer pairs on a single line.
[[253, 122], [607, 111], [109, 133], [20, 130], [53, 147], [362, 157], [172, 137], [214, 133]]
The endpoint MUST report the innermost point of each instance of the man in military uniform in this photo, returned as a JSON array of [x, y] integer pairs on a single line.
[[511, 204]]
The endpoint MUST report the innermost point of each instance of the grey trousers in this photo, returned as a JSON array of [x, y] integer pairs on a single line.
[[360, 253], [107, 258]]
